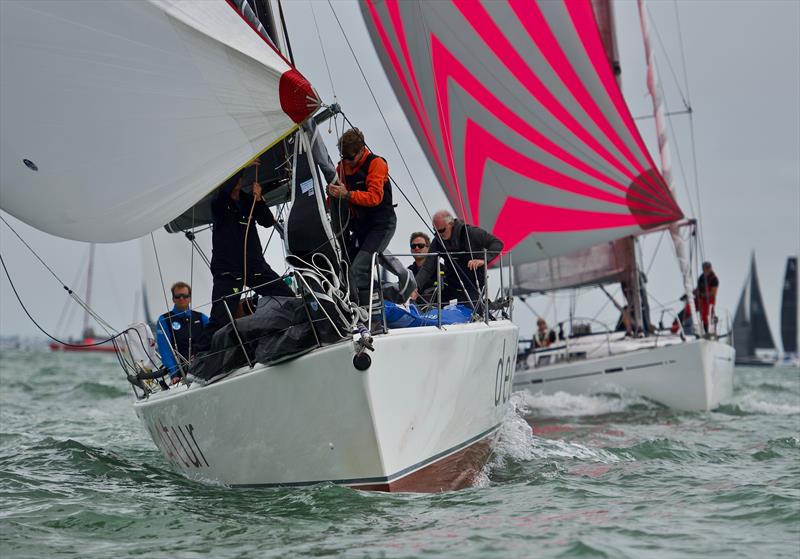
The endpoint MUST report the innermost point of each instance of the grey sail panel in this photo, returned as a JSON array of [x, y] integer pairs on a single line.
[[601, 264], [789, 307], [742, 338], [761, 333]]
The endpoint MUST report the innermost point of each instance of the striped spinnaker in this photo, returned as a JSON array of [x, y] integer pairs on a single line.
[[520, 116]]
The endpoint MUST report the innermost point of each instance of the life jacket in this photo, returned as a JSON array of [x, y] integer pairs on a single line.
[[178, 327], [374, 215]]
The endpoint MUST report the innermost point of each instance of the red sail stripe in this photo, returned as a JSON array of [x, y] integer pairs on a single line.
[[582, 16], [387, 45], [493, 37], [518, 219], [539, 31], [481, 146], [446, 67]]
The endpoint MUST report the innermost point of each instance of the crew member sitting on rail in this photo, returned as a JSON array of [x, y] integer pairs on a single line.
[[543, 337], [177, 328]]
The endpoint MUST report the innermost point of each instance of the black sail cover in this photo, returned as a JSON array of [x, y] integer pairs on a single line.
[[789, 307]]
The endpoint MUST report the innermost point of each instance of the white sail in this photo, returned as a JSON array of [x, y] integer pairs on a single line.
[[118, 116]]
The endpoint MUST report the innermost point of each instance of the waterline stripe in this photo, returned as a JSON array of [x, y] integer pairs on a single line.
[[379, 479]]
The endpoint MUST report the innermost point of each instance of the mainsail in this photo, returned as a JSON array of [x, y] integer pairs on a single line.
[[520, 116], [789, 331], [750, 326], [156, 103]]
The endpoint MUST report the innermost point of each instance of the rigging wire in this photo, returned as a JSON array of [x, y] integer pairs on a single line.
[[686, 99], [655, 252], [105, 325], [322, 48], [160, 274], [380, 111], [35, 323], [33, 252]]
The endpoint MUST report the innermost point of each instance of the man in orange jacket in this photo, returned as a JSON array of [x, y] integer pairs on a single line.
[[361, 207]]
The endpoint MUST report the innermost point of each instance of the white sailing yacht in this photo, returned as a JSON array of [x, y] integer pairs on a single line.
[[517, 107], [119, 117]]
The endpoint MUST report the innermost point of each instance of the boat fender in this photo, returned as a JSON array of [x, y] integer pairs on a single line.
[[362, 361]]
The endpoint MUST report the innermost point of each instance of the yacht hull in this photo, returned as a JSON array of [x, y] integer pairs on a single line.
[[422, 417], [695, 375]]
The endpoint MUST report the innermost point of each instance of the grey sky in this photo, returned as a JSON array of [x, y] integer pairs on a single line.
[[743, 65]]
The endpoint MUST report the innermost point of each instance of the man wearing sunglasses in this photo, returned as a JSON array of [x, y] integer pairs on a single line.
[[177, 328], [466, 245], [420, 244], [361, 208]]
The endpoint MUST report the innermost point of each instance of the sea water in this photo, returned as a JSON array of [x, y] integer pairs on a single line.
[[596, 476]]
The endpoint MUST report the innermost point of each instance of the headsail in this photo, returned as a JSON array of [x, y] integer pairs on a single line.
[[789, 331], [156, 103], [517, 108], [750, 326]]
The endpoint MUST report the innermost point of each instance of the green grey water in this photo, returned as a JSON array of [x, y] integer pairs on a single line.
[[602, 476]]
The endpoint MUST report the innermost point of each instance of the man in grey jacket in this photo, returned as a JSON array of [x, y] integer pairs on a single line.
[[466, 245]]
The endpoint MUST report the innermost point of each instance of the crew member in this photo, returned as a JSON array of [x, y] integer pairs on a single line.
[[233, 264], [362, 208], [177, 328], [466, 245], [543, 337], [707, 285]]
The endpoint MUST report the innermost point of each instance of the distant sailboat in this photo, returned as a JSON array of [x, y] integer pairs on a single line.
[[789, 306], [88, 342], [752, 337]]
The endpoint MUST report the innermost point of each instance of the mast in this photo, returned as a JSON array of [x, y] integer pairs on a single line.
[[87, 332], [666, 165], [604, 15]]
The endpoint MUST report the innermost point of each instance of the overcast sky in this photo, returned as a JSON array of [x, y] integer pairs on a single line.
[[743, 68]]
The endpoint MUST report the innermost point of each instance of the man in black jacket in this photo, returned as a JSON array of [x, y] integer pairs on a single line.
[[232, 265], [463, 271]]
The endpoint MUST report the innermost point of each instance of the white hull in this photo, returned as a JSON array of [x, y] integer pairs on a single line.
[[695, 375], [421, 418]]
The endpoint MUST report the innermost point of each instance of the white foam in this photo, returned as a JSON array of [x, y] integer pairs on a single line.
[[517, 442], [562, 404], [753, 404]]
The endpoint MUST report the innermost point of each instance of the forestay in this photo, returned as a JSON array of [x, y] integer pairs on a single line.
[[118, 116], [516, 106]]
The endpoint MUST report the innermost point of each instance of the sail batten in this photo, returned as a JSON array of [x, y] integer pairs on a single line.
[[158, 103], [521, 120]]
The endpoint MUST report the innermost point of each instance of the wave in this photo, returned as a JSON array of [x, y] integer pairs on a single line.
[[517, 443], [562, 404], [99, 390], [753, 404]]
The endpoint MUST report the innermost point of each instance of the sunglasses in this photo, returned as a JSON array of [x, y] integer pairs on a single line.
[[442, 230], [349, 157], [418, 245], [182, 296]]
